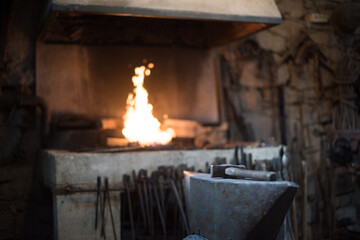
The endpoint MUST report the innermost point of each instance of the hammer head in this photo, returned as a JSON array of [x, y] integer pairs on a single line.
[[219, 170]]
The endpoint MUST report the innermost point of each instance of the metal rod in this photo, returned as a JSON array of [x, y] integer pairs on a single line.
[[142, 178], [98, 201], [159, 209], [126, 179], [103, 217], [139, 192], [108, 198], [150, 207], [173, 186]]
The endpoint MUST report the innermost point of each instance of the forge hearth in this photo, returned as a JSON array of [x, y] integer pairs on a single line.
[[87, 51], [85, 59]]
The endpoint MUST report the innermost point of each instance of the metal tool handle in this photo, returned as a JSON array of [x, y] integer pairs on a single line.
[[256, 175]]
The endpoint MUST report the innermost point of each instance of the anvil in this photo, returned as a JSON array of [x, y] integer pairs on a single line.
[[237, 209]]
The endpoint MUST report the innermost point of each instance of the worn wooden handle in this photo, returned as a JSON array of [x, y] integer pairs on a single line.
[[256, 175]]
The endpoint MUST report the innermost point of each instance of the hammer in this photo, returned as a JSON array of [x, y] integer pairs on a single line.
[[239, 171]]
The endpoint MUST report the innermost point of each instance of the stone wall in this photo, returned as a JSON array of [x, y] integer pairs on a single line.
[[304, 59], [25, 212]]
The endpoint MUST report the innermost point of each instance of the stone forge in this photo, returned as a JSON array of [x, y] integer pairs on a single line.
[[72, 178]]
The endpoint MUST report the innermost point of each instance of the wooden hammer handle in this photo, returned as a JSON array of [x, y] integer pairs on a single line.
[[256, 175]]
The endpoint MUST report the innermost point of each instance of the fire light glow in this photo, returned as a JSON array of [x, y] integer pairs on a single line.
[[139, 123]]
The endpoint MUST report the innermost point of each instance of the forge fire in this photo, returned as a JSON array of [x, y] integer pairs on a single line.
[[180, 119], [140, 125]]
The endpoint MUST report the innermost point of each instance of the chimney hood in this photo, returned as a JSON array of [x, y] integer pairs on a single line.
[[197, 23]]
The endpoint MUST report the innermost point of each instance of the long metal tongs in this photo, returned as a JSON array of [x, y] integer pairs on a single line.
[[154, 180], [107, 194], [98, 201], [101, 201], [126, 180], [170, 178]]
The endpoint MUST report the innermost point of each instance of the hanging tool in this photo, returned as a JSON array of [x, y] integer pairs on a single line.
[[155, 179], [182, 187], [235, 160], [178, 176], [167, 171], [242, 156], [126, 180], [179, 202], [249, 162], [143, 186], [107, 193], [140, 195], [98, 201], [151, 205], [277, 166], [162, 192], [229, 81], [282, 114], [103, 216]]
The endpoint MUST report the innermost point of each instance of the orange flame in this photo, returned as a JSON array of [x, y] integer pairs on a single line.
[[139, 123]]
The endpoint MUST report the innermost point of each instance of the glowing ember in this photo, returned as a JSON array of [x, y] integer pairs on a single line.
[[139, 123]]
